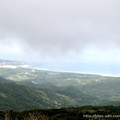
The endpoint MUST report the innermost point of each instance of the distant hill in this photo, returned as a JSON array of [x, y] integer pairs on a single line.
[[9, 62], [20, 97], [12, 64], [58, 89]]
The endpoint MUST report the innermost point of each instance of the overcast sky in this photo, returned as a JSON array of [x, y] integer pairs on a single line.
[[75, 35]]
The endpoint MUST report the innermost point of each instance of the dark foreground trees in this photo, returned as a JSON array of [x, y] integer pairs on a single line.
[[82, 113]]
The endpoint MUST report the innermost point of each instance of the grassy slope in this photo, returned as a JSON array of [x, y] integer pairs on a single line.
[[104, 87], [19, 97]]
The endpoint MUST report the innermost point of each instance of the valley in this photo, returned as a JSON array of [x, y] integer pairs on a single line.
[[29, 88]]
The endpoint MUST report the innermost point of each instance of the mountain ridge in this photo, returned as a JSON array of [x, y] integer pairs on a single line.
[[20, 97], [57, 89]]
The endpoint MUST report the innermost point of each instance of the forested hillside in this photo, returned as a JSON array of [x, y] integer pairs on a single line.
[[21, 97], [29, 88]]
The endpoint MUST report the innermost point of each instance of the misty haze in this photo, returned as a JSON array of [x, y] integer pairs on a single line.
[[59, 54]]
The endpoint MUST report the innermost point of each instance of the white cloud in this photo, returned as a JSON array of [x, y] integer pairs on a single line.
[[61, 31]]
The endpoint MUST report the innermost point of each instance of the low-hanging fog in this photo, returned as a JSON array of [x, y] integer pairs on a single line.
[[69, 35]]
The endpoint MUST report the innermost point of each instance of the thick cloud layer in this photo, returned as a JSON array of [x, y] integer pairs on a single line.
[[60, 29]]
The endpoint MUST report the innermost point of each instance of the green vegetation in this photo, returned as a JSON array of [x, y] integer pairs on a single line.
[[30, 88], [104, 88], [21, 97]]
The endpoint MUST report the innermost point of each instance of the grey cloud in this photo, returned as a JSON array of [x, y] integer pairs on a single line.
[[58, 27]]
